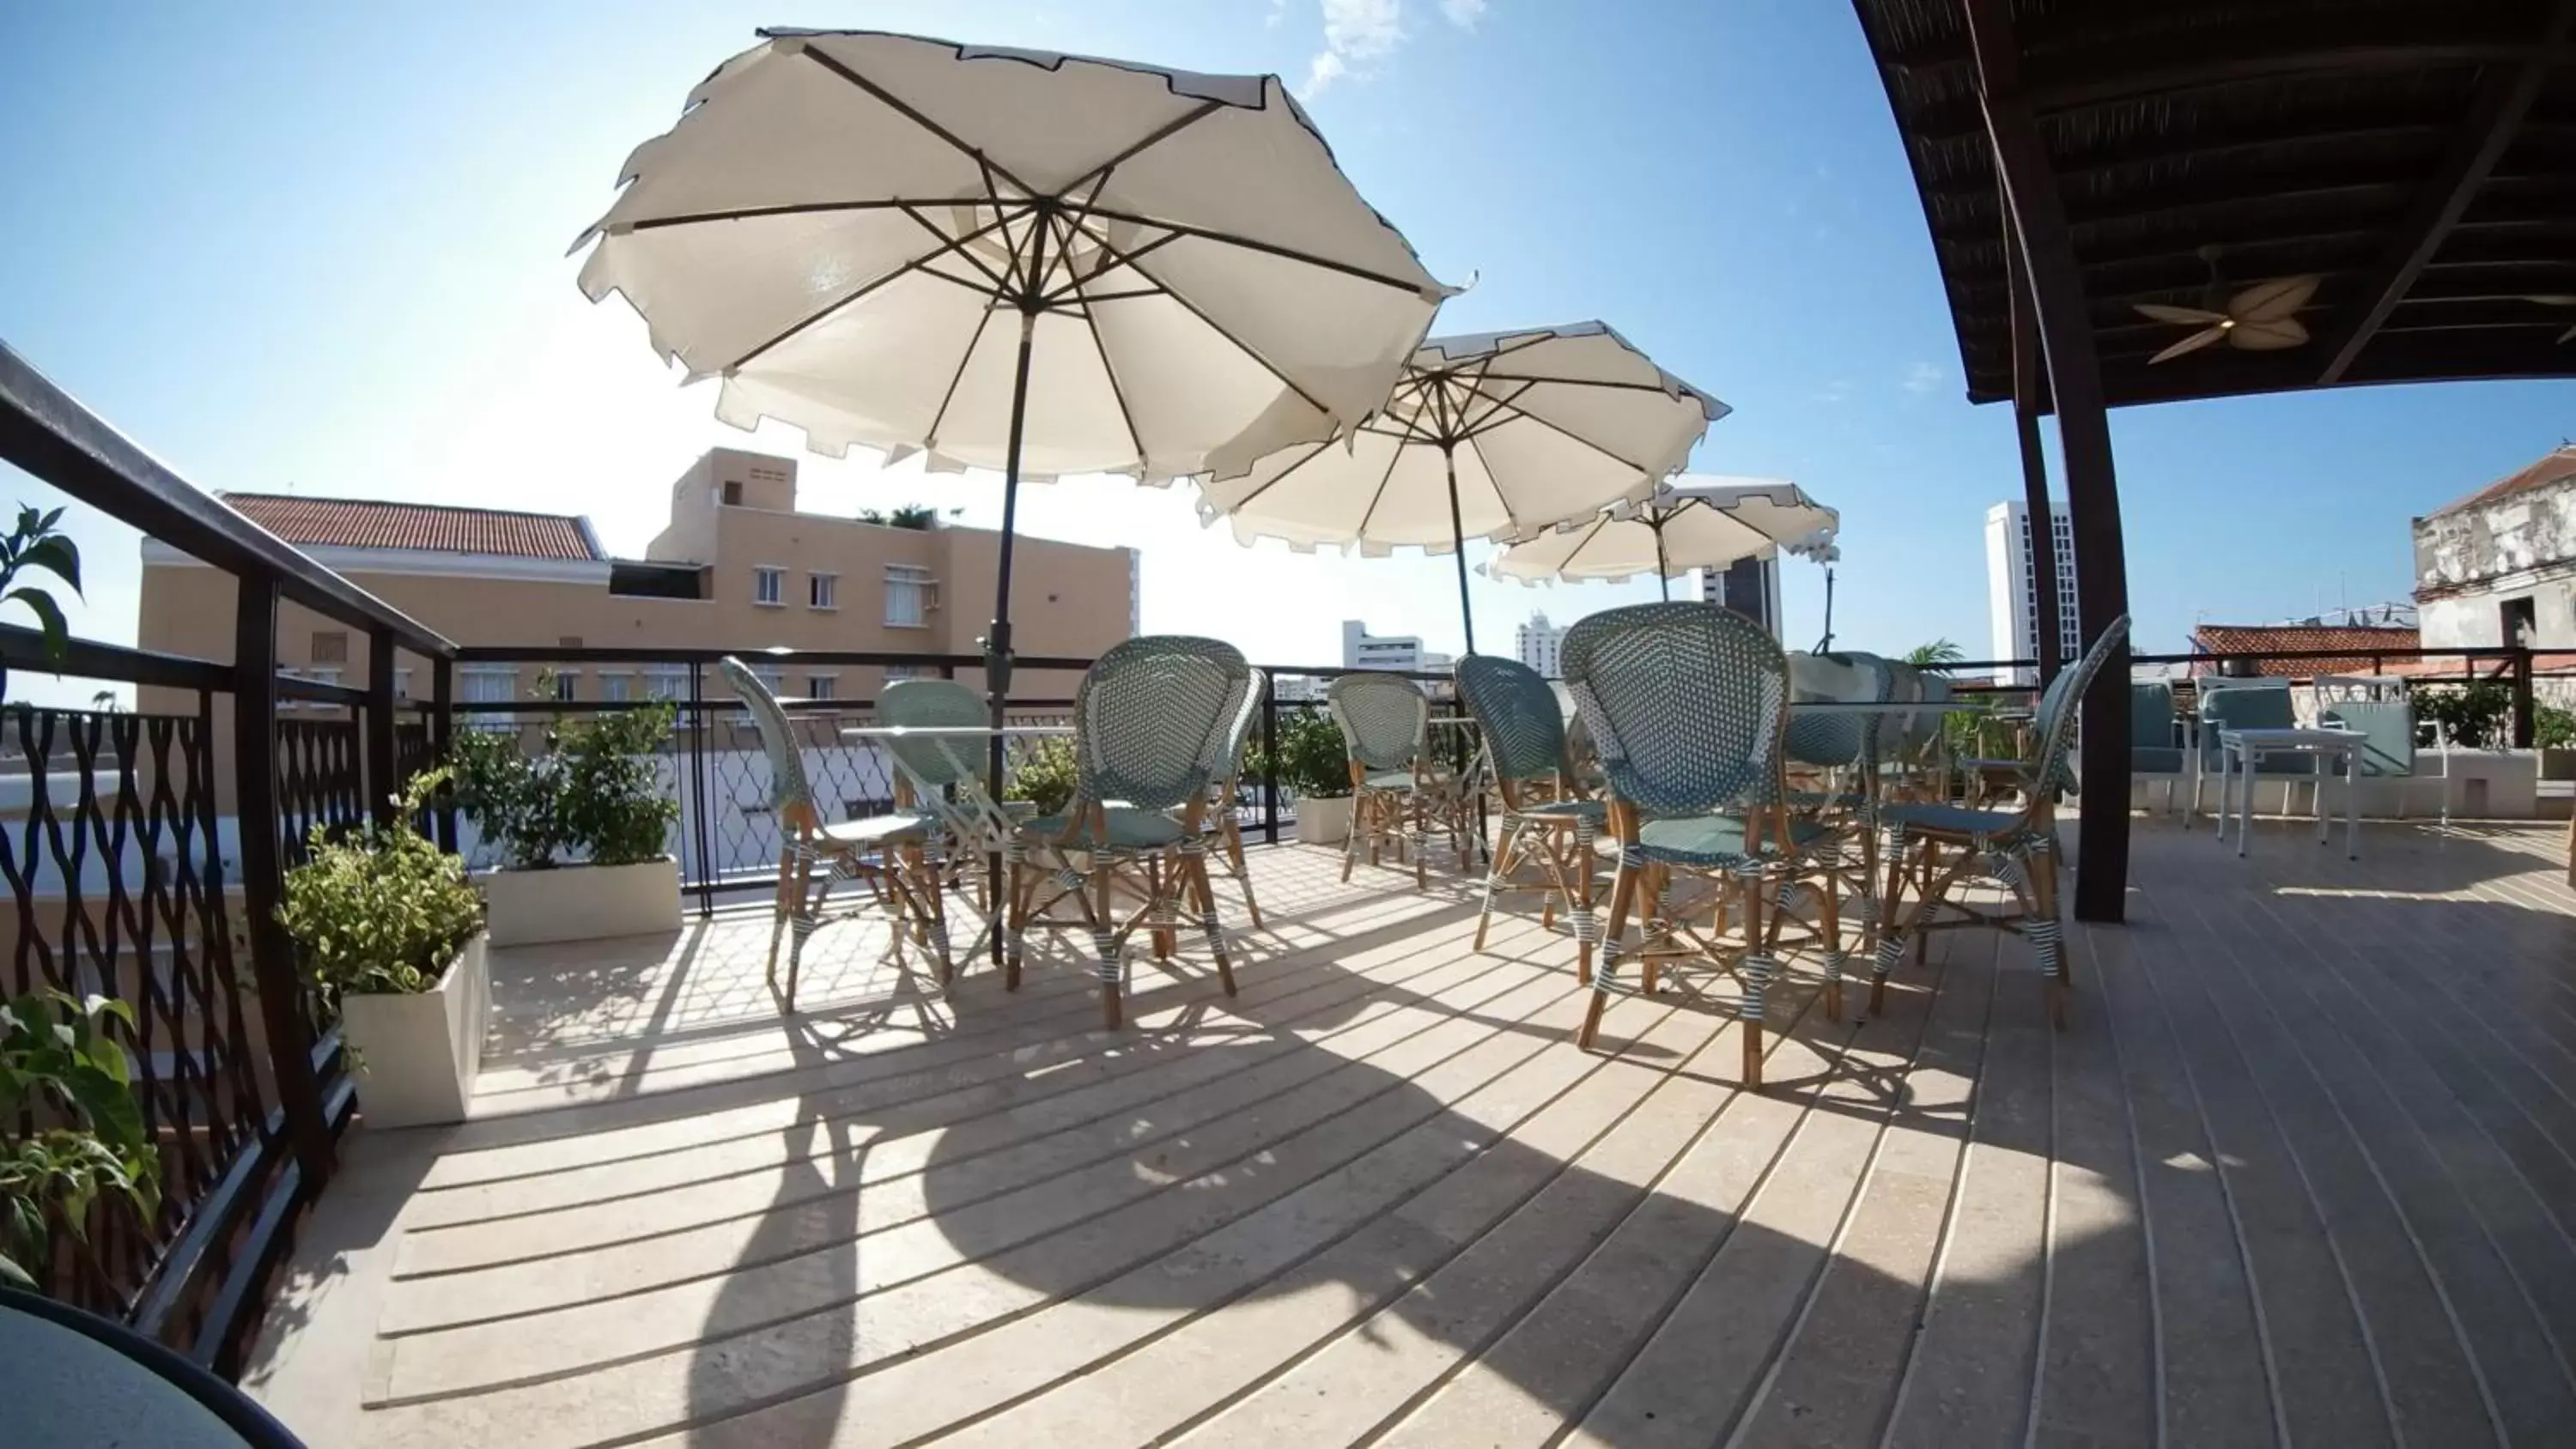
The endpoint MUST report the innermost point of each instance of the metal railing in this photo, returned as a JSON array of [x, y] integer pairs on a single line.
[[125, 883]]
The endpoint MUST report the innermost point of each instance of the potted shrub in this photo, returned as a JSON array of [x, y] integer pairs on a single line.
[[580, 827], [60, 1072], [1313, 766], [388, 925], [2553, 731]]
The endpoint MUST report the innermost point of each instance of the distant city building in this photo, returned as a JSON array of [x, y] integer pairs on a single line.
[[1536, 643], [2014, 594], [1403, 652], [2499, 566], [1749, 586]]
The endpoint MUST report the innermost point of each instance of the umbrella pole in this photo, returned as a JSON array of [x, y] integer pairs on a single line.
[[1663, 571], [1458, 545], [997, 636]]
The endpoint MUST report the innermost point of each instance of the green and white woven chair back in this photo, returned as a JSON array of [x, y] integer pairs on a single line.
[[777, 737], [1686, 703], [1152, 715], [1907, 735], [2053, 725], [1518, 715], [935, 763], [1228, 759], [1384, 719], [1827, 739]]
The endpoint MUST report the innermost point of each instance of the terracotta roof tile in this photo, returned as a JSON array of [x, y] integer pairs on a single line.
[[2557, 466], [2293, 638], [367, 523]]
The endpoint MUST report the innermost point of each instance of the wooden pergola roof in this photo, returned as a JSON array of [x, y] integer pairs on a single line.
[[2418, 155]]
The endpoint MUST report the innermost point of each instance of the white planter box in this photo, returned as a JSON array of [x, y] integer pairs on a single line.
[[1324, 822], [582, 902], [417, 1055]]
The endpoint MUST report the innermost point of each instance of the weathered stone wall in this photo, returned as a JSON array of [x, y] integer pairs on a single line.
[[2470, 563]]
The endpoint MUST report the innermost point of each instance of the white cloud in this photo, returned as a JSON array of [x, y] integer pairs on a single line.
[[1834, 391], [1924, 378], [1359, 35], [1278, 12]]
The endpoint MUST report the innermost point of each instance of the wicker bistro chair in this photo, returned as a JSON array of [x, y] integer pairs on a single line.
[[1841, 753], [1687, 704], [1223, 832], [870, 849], [927, 774], [1150, 724], [1397, 789], [1932, 847], [1545, 822]]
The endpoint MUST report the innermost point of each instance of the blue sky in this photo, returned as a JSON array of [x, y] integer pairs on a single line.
[[322, 246]]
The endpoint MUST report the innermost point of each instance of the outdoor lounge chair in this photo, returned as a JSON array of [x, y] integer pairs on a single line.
[[1150, 723], [2244, 704], [1546, 822], [1224, 833], [1932, 847], [1687, 704], [872, 848], [2158, 746]]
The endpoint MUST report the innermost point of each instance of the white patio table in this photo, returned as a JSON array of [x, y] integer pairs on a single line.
[[981, 823], [2241, 751]]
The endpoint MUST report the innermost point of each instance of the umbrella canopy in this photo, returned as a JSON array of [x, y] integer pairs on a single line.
[[1694, 522], [1008, 259], [1496, 436]]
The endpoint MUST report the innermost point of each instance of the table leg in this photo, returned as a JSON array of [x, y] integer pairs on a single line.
[[2351, 803], [2317, 764], [2225, 800], [2246, 759]]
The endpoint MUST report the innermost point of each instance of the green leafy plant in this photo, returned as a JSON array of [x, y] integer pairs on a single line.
[[917, 516], [592, 793], [2471, 716], [1939, 654], [38, 543], [1045, 776], [1311, 760], [58, 1066], [2553, 727], [380, 909]]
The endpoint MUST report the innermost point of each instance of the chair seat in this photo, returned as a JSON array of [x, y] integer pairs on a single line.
[[1129, 829], [1716, 840], [1593, 810], [1951, 819], [2155, 760], [1825, 800], [874, 830]]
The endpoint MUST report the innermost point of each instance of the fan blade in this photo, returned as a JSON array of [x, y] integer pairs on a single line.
[[2567, 336], [2268, 336], [2193, 343], [2272, 301], [2188, 316], [2552, 299]]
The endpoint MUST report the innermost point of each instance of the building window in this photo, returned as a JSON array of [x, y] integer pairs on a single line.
[[565, 680], [402, 684], [2519, 620], [616, 686], [769, 586], [312, 674], [331, 646], [489, 686], [822, 686], [907, 596], [895, 672], [733, 495], [823, 591]]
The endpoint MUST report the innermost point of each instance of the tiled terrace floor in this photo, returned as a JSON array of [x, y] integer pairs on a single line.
[[2303, 1167]]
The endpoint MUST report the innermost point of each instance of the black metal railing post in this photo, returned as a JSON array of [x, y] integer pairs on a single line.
[[1270, 759], [699, 835], [2522, 701], [272, 955], [382, 787], [442, 742]]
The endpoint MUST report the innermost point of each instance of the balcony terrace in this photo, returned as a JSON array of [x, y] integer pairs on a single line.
[[2304, 1163]]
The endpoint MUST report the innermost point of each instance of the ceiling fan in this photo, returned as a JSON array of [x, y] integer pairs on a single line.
[[2550, 300], [2260, 318]]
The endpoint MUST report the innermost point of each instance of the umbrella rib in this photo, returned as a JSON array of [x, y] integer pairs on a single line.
[[1562, 432], [1126, 414], [754, 213], [930, 439], [917, 264], [1393, 457], [1268, 248], [978, 263], [1128, 259], [1311, 455], [1099, 175], [905, 110]]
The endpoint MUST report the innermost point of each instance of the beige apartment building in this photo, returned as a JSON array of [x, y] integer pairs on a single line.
[[736, 567]]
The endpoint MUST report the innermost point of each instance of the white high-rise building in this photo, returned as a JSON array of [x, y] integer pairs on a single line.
[[1749, 586], [1364, 650], [2014, 594], [1537, 643]]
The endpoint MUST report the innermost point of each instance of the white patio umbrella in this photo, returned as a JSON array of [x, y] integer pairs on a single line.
[[1496, 436], [1696, 521], [1007, 259]]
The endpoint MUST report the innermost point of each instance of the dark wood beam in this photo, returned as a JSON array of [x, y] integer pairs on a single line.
[[2084, 434], [2506, 92], [2030, 400]]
